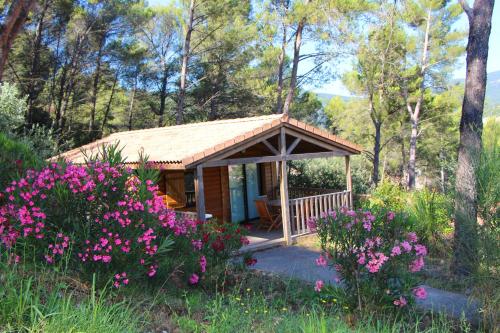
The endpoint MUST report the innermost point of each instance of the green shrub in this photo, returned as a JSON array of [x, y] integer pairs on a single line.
[[15, 157], [328, 173], [488, 179], [390, 196], [429, 212], [12, 108]]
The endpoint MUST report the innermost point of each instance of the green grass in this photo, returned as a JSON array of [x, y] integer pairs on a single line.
[[41, 300]]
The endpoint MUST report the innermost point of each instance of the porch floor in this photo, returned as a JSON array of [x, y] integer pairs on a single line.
[[263, 239]]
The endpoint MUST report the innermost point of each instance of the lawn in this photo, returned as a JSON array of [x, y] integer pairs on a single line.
[[40, 300]]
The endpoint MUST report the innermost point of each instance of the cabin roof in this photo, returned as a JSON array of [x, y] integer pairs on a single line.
[[181, 145]]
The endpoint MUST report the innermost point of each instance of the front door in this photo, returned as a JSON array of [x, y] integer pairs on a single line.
[[243, 190]]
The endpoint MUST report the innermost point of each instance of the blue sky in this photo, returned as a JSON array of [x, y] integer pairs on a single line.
[[336, 87]]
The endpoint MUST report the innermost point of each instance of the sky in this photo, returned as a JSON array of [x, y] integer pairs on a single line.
[[336, 87]]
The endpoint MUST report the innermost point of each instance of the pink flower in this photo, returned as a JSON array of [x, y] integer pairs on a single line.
[[376, 261], [319, 285], [420, 250], [416, 265], [420, 293], [361, 258], [406, 246], [321, 261], [194, 279], [351, 213], [203, 264], [396, 251], [367, 225], [401, 302], [312, 224], [152, 270], [412, 237], [390, 216]]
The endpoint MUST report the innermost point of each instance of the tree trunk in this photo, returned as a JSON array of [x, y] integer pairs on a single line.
[[95, 84], [415, 113], [412, 156], [60, 95], [376, 152], [12, 24], [52, 89], [296, 55], [281, 63], [184, 67], [471, 127], [213, 108], [163, 96], [131, 106], [108, 106], [35, 66]]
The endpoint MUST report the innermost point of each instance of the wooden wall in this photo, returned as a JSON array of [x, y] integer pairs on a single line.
[[269, 185], [216, 182], [171, 184]]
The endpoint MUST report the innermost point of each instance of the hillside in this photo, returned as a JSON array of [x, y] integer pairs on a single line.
[[492, 94]]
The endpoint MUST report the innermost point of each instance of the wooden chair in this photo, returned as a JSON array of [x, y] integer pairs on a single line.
[[267, 219]]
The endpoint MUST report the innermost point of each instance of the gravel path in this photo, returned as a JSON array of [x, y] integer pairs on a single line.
[[299, 263]]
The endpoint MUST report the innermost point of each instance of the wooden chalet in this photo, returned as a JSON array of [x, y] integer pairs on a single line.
[[222, 168]]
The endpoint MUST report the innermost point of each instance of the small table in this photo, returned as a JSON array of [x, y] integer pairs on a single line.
[[275, 203]]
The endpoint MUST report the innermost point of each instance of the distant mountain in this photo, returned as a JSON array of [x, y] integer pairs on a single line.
[[493, 88], [325, 98], [492, 94]]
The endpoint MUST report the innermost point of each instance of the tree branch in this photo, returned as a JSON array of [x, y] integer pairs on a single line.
[[467, 9]]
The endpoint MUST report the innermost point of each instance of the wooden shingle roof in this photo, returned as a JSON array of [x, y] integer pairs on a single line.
[[177, 146]]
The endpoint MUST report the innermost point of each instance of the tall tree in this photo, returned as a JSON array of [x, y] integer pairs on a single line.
[[296, 56], [282, 8], [11, 25], [379, 63], [186, 52], [437, 46], [107, 20], [471, 127], [160, 34]]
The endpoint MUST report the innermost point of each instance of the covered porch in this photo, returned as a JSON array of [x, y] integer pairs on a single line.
[[289, 141]]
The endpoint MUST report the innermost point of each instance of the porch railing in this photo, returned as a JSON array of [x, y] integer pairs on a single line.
[[302, 209], [301, 192]]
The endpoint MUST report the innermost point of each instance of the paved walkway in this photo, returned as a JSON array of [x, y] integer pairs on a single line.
[[299, 263]]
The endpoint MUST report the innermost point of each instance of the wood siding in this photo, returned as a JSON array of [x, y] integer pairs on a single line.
[[269, 179], [216, 184], [171, 185], [216, 189]]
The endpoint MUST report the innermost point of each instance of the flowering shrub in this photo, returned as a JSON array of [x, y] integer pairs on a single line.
[[375, 255], [209, 246], [104, 218]]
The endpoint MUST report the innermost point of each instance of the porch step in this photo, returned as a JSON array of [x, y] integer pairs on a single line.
[[262, 246]]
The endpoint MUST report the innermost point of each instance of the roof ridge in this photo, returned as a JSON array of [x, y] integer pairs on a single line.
[[200, 123]]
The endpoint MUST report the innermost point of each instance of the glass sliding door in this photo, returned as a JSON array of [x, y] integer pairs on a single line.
[[252, 187], [237, 193], [243, 190]]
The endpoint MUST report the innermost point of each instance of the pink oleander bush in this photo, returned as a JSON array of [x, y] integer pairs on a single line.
[[376, 256], [104, 218]]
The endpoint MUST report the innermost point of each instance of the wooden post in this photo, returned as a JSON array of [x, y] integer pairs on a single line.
[[285, 209], [348, 178], [199, 192]]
